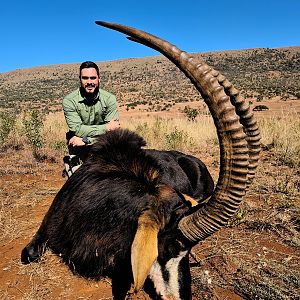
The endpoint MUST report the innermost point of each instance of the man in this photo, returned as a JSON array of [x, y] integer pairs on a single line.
[[89, 111]]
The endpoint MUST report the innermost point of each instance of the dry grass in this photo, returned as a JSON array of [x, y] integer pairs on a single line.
[[176, 133], [191, 136], [256, 256], [281, 136], [54, 129]]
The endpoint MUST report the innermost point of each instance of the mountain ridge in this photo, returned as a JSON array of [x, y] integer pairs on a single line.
[[260, 73]]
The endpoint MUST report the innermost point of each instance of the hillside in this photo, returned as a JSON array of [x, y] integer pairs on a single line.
[[259, 73]]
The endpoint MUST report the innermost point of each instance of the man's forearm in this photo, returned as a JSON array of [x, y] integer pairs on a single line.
[[82, 130]]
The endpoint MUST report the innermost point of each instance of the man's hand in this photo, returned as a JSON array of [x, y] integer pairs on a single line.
[[112, 125], [76, 141]]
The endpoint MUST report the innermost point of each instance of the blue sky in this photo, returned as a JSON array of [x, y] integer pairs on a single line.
[[37, 33]]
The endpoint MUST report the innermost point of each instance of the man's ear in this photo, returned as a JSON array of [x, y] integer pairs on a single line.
[[144, 249]]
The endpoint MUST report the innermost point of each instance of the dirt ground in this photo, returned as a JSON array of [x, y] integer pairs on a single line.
[[276, 107], [257, 256]]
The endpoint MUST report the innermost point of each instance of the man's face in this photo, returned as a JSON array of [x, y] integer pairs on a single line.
[[89, 80]]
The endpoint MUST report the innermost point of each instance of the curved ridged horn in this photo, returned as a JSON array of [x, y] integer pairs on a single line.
[[237, 131]]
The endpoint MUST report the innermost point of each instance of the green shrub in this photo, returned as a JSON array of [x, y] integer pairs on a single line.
[[191, 113], [176, 139], [260, 108], [33, 122], [7, 125]]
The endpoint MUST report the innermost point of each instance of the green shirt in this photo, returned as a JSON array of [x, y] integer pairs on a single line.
[[89, 119]]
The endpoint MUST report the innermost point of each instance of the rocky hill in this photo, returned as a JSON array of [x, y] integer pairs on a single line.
[[258, 73]]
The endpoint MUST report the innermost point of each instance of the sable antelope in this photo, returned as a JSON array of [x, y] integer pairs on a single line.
[[122, 214]]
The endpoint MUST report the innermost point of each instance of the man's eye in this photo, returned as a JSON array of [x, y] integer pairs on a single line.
[[86, 77]]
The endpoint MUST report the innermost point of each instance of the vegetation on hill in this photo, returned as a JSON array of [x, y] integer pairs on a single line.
[[258, 73]]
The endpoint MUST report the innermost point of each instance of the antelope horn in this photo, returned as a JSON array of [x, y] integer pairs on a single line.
[[237, 131]]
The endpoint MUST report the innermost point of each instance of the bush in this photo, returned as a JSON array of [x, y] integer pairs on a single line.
[[191, 113], [260, 108], [33, 123], [176, 139], [7, 125]]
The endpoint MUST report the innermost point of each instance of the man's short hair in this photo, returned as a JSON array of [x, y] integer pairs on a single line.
[[88, 64]]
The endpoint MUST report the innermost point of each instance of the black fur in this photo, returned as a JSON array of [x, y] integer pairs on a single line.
[[93, 219], [184, 173]]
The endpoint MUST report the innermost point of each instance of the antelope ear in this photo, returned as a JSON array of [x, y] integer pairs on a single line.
[[144, 249], [190, 199]]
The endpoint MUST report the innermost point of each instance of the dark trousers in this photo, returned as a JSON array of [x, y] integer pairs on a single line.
[[81, 152]]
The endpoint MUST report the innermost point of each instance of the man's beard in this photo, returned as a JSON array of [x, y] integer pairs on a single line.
[[89, 96]]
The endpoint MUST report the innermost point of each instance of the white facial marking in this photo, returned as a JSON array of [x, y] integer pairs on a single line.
[[167, 289], [157, 279], [172, 267]]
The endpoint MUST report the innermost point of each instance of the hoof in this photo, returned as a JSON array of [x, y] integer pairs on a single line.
[[30, 254]]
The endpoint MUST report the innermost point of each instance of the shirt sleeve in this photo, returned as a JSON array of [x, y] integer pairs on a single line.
[[75, 124], [74, 120], [112, 109]]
